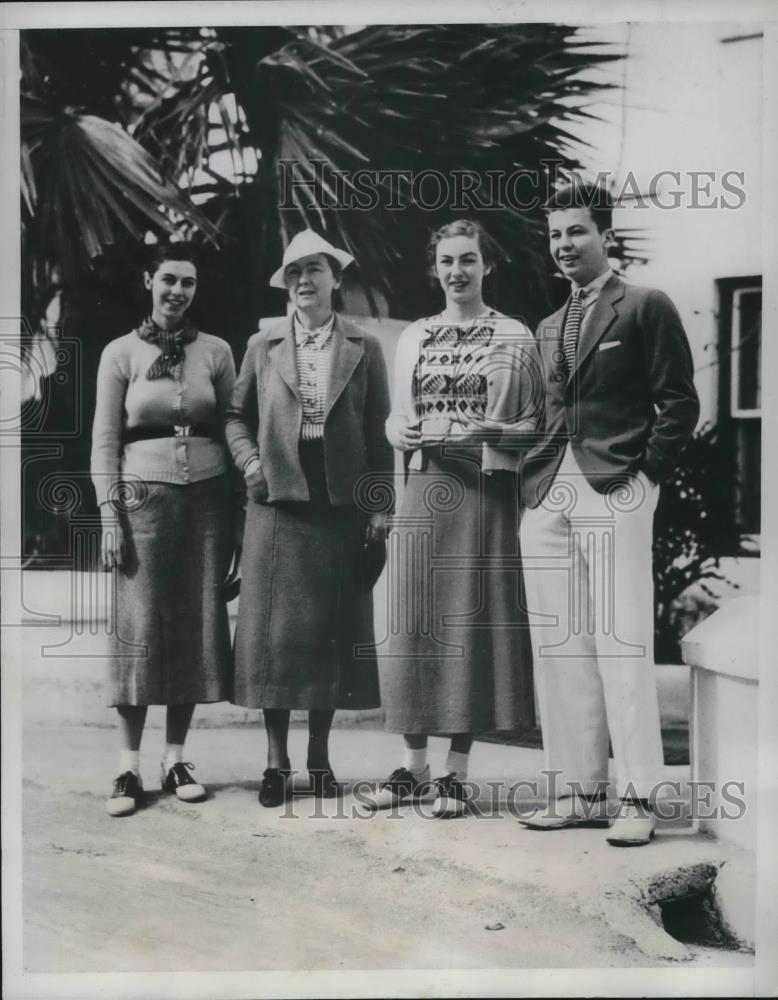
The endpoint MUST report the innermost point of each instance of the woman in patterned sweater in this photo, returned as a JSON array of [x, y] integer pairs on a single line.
[[466, 397]]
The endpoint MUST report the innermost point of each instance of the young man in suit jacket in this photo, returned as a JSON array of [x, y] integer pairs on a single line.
[[620, 405]]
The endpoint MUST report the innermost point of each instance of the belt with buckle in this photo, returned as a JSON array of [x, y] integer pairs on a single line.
[[165, 431]]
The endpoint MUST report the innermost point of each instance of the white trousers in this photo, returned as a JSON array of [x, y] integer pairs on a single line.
[[588, 575]]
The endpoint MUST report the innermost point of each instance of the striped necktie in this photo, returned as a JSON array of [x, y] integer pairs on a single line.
[[572, 327]]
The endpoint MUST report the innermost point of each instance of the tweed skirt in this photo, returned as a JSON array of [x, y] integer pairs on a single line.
[[171, 643], [304, 637], [459, 653]]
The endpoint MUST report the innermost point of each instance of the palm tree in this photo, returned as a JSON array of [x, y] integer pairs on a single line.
[[122, 131], [240, 137]]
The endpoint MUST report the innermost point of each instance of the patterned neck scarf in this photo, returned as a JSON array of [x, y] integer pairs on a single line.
[[171, 344]]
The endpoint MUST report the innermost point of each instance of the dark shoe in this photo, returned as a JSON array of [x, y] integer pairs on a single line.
[[400, 785], [451, 798], [323, 783], [127, 793], [178, 780], [275, 787]]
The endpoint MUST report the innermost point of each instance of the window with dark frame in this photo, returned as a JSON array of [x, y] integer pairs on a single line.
[[740, 400]]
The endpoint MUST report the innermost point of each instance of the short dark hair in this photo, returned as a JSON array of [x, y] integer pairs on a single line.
[[489, 248], [159, 253], [337, 270], [581, 194]]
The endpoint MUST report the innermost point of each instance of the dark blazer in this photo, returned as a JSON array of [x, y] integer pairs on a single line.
[[265, 415], [630, 402]]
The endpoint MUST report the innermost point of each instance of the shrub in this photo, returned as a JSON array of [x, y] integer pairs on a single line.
[[693, 528]]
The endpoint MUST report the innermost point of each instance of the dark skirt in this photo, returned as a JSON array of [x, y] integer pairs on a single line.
[[171, 644], [304, 637], [459, 654]]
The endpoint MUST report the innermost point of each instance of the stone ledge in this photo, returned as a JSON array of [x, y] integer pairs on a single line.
[[728, 642], [723, 654]]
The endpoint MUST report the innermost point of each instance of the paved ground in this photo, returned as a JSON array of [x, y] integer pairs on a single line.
[[229, 885]]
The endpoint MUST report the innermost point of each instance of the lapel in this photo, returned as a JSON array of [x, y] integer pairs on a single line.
[[347, 351], [281, 354], [604, 312]]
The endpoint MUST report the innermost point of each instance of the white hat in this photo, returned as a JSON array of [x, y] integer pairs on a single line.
[[303, 245]]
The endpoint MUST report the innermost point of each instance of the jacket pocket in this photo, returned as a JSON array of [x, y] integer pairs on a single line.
[[613, 363]]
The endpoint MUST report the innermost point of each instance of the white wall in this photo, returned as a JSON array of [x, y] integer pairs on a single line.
[[690, 103]]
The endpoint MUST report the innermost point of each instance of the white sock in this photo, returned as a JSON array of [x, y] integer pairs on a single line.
[[456, 763], [129, 760], [415, 760], [174, 754]]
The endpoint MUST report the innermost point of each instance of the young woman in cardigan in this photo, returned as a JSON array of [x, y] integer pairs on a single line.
[[161, 472]]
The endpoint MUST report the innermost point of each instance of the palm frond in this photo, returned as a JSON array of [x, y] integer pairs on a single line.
[[322, 103], [434, 98], [108, 72], [29, 187], [96, 184], [175, 128]]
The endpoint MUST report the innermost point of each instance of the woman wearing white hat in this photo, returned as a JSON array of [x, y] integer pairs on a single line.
[[306, 427]]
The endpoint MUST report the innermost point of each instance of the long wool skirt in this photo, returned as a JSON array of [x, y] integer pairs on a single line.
[[459, 654], [304, 637], [171, 644]]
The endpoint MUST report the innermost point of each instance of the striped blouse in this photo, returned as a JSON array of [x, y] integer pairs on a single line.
[[314, 357]]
